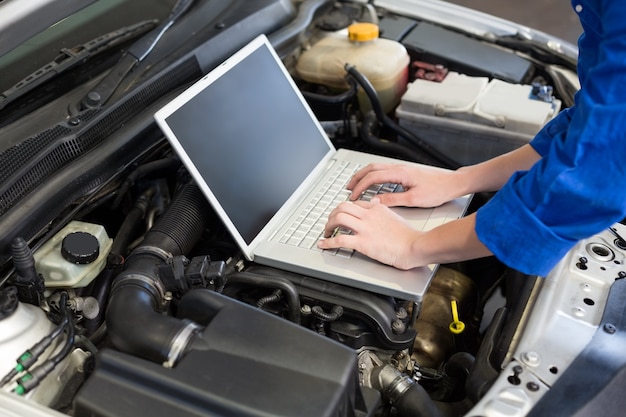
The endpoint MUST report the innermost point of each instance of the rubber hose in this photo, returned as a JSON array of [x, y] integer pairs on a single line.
[[367, 127], [137, 213], [334, 99], [337, 311], [135, 326], [272, 298], [135, 300], [459, 365], [182, 225], [415, 402], [371, 93], [289, 290], [408, 397], [159, 167]]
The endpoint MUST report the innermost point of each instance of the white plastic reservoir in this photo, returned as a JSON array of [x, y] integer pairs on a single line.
[[383, 62], [74, 256]]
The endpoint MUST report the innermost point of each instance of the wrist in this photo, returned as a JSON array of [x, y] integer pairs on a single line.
[[463, 181]]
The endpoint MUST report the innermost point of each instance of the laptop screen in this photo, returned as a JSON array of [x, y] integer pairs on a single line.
[[250, 138]]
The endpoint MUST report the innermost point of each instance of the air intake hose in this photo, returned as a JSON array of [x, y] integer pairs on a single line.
[[408, 397], [134, 320]]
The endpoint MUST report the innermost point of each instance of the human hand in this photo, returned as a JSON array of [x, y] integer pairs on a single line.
[[424, 186], [377, 232]]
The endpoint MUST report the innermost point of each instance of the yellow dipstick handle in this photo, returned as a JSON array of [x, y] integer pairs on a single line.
[[457, 326]]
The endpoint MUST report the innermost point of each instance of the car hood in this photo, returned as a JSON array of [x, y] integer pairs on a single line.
[[19, 20]]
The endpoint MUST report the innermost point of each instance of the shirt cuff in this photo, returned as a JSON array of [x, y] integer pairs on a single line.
[[516, 237], [555, 127]]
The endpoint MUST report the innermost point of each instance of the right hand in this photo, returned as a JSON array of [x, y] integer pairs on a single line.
[[424, 186], [377, 232]]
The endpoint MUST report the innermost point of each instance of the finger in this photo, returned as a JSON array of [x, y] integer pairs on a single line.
[[338, 241], [394, 199], [373, 177], [360, 174], [341, 219]]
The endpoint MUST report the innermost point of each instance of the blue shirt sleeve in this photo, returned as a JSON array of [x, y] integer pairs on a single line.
[[578, 188]]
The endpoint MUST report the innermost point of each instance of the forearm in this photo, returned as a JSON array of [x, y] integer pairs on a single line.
[[457, 240], [454, 241], [491, 175]]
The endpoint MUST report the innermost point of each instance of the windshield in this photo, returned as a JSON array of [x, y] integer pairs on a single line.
[[95, 20]]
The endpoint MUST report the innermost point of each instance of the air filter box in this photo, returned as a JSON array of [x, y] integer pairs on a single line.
[[245, 363]]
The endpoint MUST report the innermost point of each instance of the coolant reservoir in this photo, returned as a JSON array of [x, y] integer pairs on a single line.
[[74, 256], [383, 62], [21, 326]]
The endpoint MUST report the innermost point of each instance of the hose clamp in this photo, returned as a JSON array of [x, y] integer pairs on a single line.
[[152, 285], [397, 389], [180, 342], [152, 250], [391, 382]]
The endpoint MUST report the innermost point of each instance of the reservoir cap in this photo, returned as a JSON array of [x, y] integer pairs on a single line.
[[362, 32], [80, 248]]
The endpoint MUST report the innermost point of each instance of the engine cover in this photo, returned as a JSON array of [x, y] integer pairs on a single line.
[[245, 363]]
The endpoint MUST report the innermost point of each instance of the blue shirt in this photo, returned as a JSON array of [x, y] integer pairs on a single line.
[[578, 188]]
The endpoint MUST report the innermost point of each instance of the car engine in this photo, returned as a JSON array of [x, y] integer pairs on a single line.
[[122, 294]]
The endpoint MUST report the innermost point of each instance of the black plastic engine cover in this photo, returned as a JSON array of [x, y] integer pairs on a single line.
[[245, 363]]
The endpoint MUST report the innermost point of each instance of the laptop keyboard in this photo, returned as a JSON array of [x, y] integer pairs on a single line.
[[308, 227]]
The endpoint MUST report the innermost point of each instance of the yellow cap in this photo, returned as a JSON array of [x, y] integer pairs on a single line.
[[362, 32]]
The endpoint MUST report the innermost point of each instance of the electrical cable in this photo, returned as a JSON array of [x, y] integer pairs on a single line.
[[33, 377], [31, 355]]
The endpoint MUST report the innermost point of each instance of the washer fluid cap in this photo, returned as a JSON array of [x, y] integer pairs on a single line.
[[362, 32], [80, 248]]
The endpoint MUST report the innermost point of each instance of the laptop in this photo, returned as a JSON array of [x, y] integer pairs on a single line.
[[259, 155]]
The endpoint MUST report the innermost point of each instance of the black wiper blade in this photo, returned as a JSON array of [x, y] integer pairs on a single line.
[[71, 57], [137, 52]]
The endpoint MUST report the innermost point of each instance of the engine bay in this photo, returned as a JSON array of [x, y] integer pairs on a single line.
[[123, 294]]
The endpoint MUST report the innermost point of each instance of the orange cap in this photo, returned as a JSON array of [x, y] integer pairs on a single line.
[[362, 32]]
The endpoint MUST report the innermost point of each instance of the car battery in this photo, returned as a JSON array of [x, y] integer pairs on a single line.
[[472, 119]]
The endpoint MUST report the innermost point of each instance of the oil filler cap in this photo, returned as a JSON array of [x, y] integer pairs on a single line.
[[80, 248]]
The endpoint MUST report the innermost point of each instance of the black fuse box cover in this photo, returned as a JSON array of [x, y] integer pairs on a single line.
[[437, 45]]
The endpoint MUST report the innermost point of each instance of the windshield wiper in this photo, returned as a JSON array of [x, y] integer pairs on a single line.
[[99, 95], [71, 57]]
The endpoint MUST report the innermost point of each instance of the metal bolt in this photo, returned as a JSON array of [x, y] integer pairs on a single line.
[[92, 99], [398, 327], [531, 358], [532, 386], [609, 328], [401, 313]]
